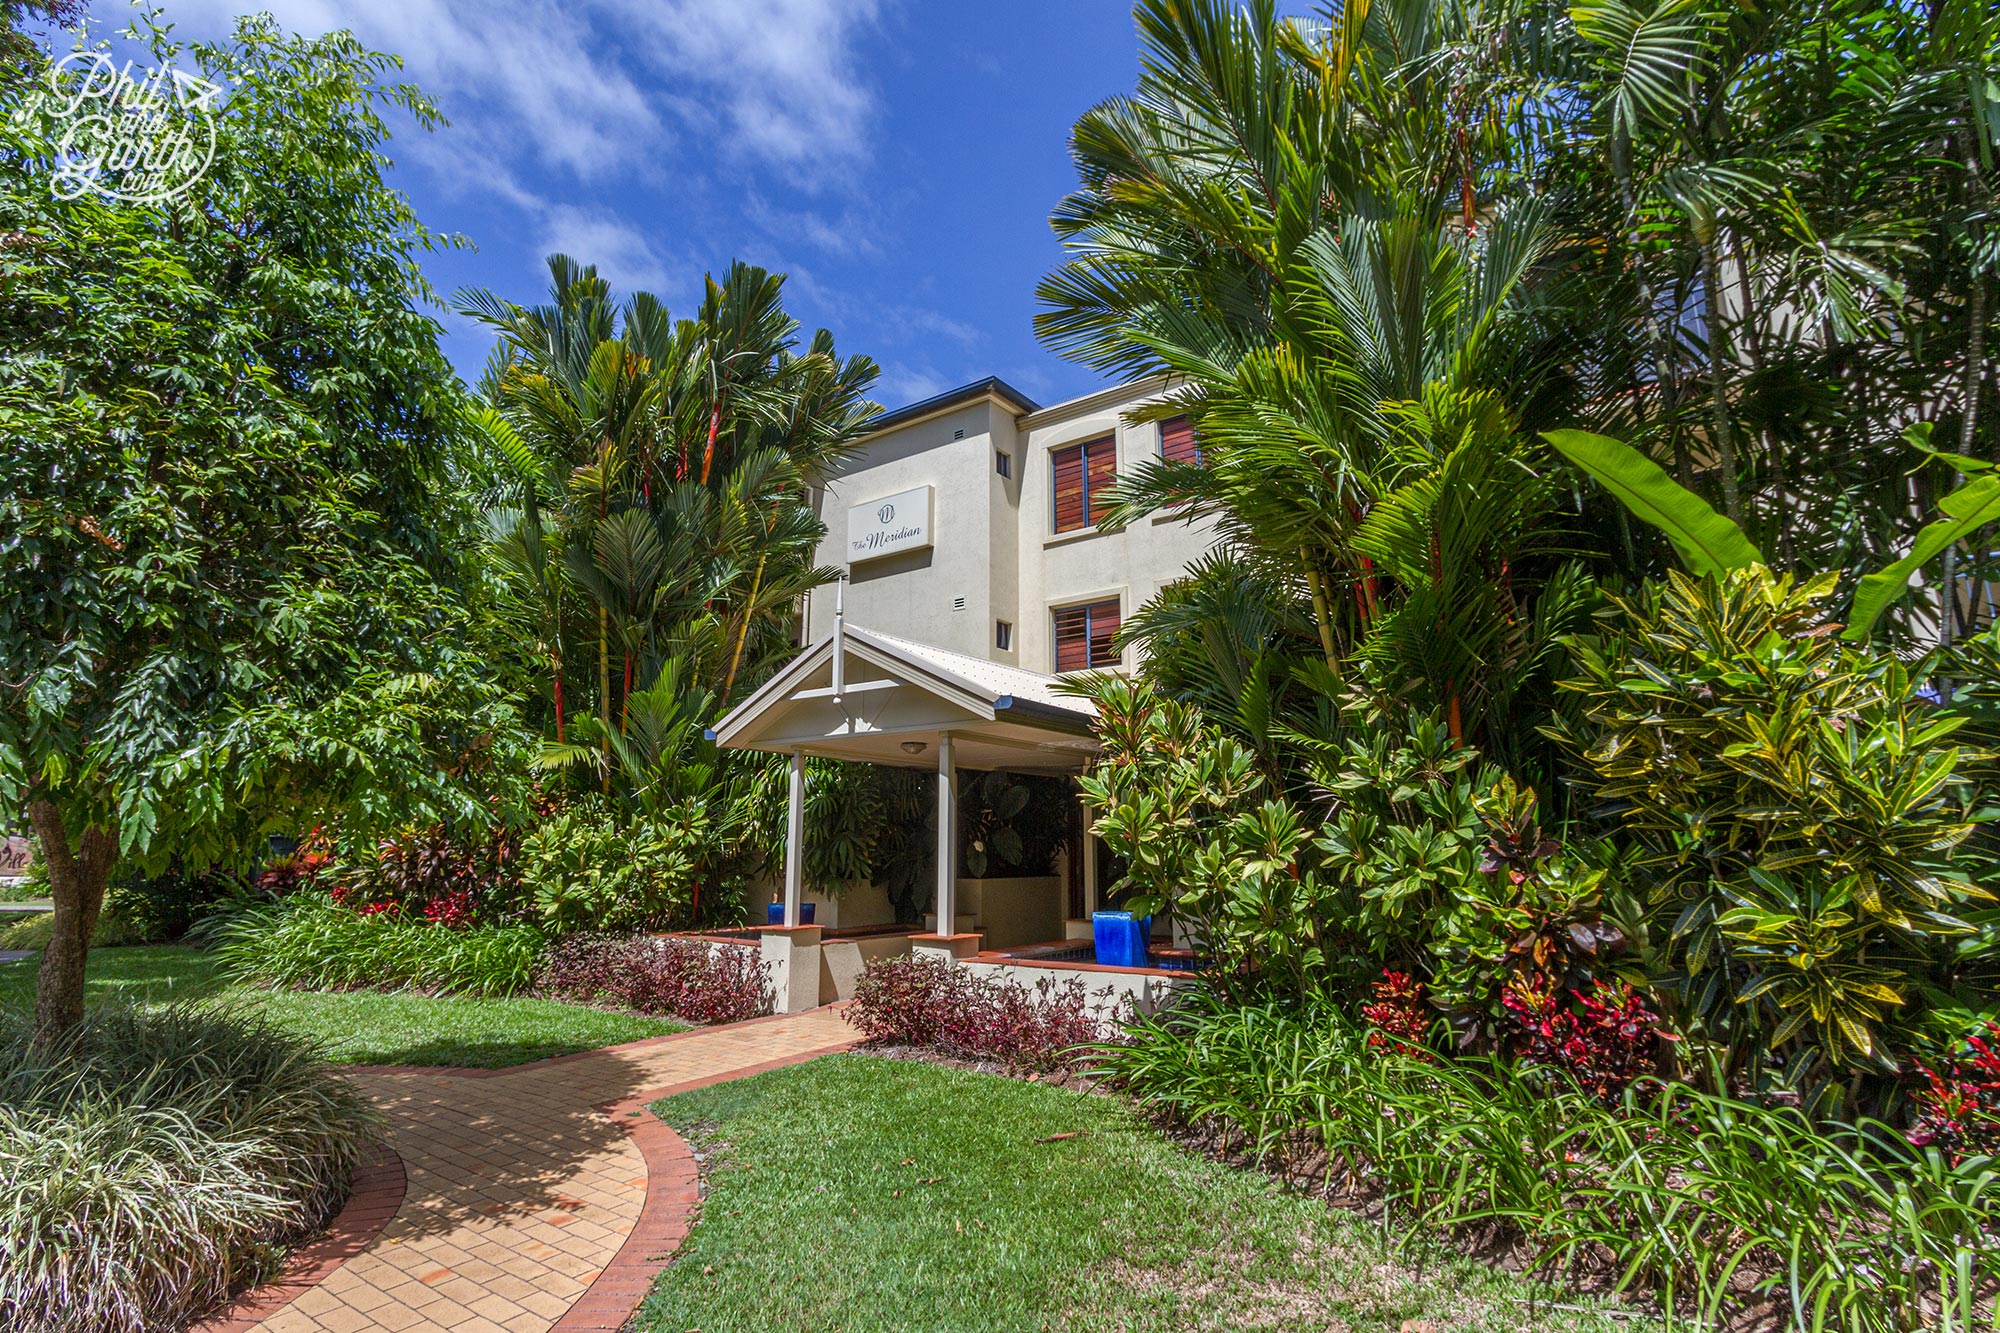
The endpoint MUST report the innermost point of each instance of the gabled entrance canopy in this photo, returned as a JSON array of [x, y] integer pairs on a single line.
[[877, 699]]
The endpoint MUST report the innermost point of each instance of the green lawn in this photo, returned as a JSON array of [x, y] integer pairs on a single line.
[[360, 1027], [862, 1193]]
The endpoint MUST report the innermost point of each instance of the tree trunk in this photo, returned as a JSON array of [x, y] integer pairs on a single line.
[[604, 692], [1321, 616], [1663, 364], [1718, 383], [1774, 449], [77, 880], [1968, 439]]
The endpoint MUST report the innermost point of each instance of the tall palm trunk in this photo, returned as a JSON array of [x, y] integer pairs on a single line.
[[1774, 449], [604, 689], [1664, 374], [1322, 616], [1718, 380]]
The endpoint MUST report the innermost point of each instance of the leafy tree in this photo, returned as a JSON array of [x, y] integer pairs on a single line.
[[223, 422]]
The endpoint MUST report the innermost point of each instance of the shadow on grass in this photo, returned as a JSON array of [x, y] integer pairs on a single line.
[[484, 1144]]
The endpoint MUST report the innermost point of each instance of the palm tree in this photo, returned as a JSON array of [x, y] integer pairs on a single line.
[[658, 482], [1308, 228]]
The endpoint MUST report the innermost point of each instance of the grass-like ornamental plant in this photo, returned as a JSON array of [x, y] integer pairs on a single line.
[[1710, 1202], [311, 941], [154, 1161]]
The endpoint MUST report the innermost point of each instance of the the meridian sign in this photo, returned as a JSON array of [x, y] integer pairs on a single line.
[[893, 523]]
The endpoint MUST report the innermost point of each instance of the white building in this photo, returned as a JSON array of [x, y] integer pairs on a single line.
[[975, 572], [963, 522]]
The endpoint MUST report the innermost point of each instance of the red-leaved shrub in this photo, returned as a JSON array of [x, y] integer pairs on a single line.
[[1958, 1111], [1398, 1018], [917, 1001], [1605, 1039], [453, 910], [690, 979]]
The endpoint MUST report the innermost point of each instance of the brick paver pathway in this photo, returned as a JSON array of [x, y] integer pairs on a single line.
[[527, 1204]]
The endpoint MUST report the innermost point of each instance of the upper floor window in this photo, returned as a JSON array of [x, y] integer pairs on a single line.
[[1003, 462], [1085, 635], [1177, 441], [1084, 474]]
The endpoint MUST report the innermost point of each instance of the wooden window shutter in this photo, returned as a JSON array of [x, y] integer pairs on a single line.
[[1177, 442], [1072, 638], [1085, 635], [1102, 456], [1103, 630], [1069, 488]]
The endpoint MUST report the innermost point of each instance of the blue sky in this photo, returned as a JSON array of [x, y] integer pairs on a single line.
[[897, 158]]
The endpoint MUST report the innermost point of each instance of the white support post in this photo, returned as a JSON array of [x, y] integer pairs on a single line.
[[947, 846], [795, 840], [1089, 853]]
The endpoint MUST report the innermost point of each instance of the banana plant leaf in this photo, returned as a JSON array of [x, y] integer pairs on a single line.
[[1970, 507], [1707, 542]]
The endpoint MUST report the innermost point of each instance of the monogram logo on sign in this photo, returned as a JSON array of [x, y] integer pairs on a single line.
[[886, 514]]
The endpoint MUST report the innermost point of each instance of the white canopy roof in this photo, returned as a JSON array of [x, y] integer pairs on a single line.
[[874, 698]]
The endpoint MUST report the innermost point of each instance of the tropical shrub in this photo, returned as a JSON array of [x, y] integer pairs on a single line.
[[33, 932], [473, 865], [154, 1161], [316, 942], [1712, 1202], [588, 868], [1186, 808], [917, 1001], [1957, 1110], [1796, 803], [689, 979]]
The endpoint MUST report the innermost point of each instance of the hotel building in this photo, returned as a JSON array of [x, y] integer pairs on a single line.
[[975, 572], [968, 522]]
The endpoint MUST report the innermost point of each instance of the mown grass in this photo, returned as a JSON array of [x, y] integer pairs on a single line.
[[359, 1027], [857, 1192]]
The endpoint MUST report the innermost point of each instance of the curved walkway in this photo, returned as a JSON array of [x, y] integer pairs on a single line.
[[542, 1197]]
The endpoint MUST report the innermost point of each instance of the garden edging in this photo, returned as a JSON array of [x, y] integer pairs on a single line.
[[393, 1184], [379, 1186]]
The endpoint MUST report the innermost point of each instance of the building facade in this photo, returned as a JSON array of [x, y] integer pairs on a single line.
[[968, 521]]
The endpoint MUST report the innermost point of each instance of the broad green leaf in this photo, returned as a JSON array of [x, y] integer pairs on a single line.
[[1966, 509], [1919, 437], [1707, 542]]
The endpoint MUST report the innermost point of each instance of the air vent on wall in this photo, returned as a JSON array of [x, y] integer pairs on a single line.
[[958, 434], [958, 603]]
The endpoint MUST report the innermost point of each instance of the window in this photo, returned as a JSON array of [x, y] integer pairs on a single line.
[[1084, 636], [1003, 635], [1083, 475], [1003, 462], [1177, 441]]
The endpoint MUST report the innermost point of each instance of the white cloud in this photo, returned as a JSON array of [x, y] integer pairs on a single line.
[[611, 86], [851, 233], [902, 385], [624, 256], [783, 70]]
